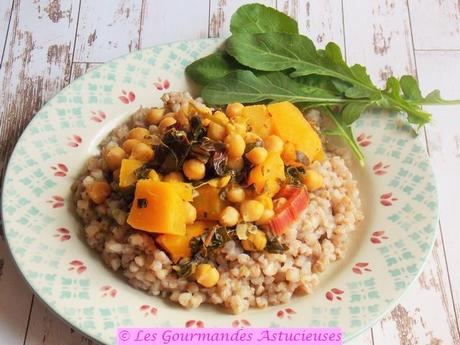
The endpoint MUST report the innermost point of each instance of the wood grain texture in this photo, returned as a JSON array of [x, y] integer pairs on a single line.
[[382, 45], [5, 14], [221, 11], [36, 63], [319, 20], [14, 311], [159, 26], [107, 29], [435, 23], [440, 70]]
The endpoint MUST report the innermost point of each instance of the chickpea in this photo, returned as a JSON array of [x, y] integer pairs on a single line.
[[257, 155], [236, 163], [174, 176], [129, 144], [266, 201], [266, 216], [256, 241], [142, 152], [229, 216], [251, 137], [235, 145], [313, 180], [216, 131], [98, 191], [154, 116], [114, 156], [274, 143], [138, 133], [221, 117], [206, 275], [191, 213], [240, 128], [235, 194], [289, 153], [251, 210], [234, 109], [166, 123], [194, 169]]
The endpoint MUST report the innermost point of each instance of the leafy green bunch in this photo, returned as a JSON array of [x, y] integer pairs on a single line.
[[266, 59]]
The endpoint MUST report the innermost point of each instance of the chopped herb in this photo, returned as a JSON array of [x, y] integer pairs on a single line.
[[142, 203], [250, 146], [142, 172], [294, 174], [185, 268], [274, 246]]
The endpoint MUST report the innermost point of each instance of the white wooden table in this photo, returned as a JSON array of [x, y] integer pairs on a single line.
[[45, 44]]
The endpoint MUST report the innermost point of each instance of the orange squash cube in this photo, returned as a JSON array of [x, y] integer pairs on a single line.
[[158, 208], [208, 203], [267, 176], [178, 247], [291, 126]]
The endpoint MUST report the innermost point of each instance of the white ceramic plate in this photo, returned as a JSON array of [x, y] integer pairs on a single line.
[[383, 259]]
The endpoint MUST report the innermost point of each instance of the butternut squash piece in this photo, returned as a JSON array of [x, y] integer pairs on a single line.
[[158, 208], [267, 176], [208, 203], [127, 169], [258, 119], [291, 126], [178, 247]]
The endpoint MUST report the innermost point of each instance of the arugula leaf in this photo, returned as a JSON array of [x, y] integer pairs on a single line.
[[257, 18], [211, 67], [344, 131], [393, 98], [434, 98], [352, 111], [412, 93], [246, 87], [275, 51]]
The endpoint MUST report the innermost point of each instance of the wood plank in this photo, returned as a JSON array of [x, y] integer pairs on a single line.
[[440, 70], [5, 14], [169, 21], [319, 20], [221, 11], [373, 40], [385, 47], [435, 23], [47, 329], [15, 300], [36, 65], [107, 29]]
